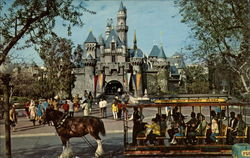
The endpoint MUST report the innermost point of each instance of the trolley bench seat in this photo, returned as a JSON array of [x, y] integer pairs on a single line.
[[144, 138]]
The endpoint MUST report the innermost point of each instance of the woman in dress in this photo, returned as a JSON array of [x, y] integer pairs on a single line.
[[32, 110]]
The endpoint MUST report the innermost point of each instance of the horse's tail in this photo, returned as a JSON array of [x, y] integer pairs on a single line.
[[102, 128]]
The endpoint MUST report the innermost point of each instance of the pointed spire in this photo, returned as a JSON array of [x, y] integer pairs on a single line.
[[162, 53], [155, 51], [135, 41], [121, 7]]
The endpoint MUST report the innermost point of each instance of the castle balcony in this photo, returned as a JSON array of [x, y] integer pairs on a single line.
[[122, 27], [121, 15], [117, 51]]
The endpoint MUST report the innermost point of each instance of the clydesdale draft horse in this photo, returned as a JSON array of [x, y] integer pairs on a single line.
[[68, 127]]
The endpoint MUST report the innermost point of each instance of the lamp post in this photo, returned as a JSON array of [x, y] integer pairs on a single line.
[[5, 71]]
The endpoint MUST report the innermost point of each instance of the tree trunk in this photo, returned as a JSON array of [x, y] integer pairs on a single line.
[[244, 82], [6, 79]]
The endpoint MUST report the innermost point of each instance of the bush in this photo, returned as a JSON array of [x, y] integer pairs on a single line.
[[20, 100]]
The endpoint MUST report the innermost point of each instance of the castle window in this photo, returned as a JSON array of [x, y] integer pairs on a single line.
[[113, 58], [113, 46]]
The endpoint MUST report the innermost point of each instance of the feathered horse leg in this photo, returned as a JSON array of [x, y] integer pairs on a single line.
[[99, 151], [67, 151]]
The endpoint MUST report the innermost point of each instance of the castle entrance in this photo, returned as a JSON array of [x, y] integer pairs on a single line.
[[113, 87]]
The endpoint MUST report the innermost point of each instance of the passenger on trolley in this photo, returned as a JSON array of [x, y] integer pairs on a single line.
[[179, 129], [168, 113], [241, 125], [155, 131], [231, 128], [214, 129], [191, 127], [163, 124], [202, 126]]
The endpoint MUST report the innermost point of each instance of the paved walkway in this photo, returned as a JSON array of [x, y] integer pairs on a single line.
[[25, 128]]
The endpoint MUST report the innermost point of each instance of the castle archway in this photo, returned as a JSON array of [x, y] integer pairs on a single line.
[[113, 87]]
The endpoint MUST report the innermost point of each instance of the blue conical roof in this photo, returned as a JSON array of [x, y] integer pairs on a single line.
[[138, 53], [162, 53], [101, 40], [155, 51], [113, 35], [90, 38]]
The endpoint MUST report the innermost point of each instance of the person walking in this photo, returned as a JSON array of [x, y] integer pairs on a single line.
[[55, 104], [103, 106], [32, 110], [115, 110], [65, 107], [85, 94], [71, 108], [39, 112], [85, 107], [90, 101], [13, 117], [26, 107], [76, 103], [45, 104]]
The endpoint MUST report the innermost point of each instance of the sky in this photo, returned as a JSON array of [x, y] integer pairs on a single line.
[[155, 22]]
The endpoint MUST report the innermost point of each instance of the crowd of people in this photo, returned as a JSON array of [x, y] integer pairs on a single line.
[[117, 109], [35, 109], [173, 123]]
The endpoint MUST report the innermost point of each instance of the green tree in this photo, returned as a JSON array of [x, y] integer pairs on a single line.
[[34, 20], [196, 80], [222, 32], [57, 56]]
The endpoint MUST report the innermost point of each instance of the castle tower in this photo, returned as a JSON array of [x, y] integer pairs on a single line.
[[137, 62], [101, 43], [108, 27], [91, 45], [121, 27]]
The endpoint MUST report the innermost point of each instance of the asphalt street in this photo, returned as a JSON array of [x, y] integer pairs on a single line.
[[50, 146]]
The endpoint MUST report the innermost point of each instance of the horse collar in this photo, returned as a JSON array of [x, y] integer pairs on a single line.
[[62, 120]]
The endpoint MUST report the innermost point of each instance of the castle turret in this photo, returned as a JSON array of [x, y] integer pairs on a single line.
[[91, 45], [108, 27], [121, 27], [101, 43]]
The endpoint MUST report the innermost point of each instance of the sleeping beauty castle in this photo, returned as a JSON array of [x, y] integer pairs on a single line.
[[108, 65]]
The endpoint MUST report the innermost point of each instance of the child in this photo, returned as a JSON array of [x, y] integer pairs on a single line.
[[115, 110], [155, 131]]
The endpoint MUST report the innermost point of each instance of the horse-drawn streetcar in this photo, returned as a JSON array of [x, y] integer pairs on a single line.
[[220, 122]]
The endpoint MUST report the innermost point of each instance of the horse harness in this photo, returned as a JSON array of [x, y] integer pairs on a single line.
[[62, 121]]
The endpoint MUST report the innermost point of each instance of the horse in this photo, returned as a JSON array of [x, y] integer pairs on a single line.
[[68, 127]]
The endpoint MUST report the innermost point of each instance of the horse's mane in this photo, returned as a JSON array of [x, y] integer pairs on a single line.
[[56, 113]]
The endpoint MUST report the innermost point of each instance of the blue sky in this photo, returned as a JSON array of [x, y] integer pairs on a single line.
[[155, 22]]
